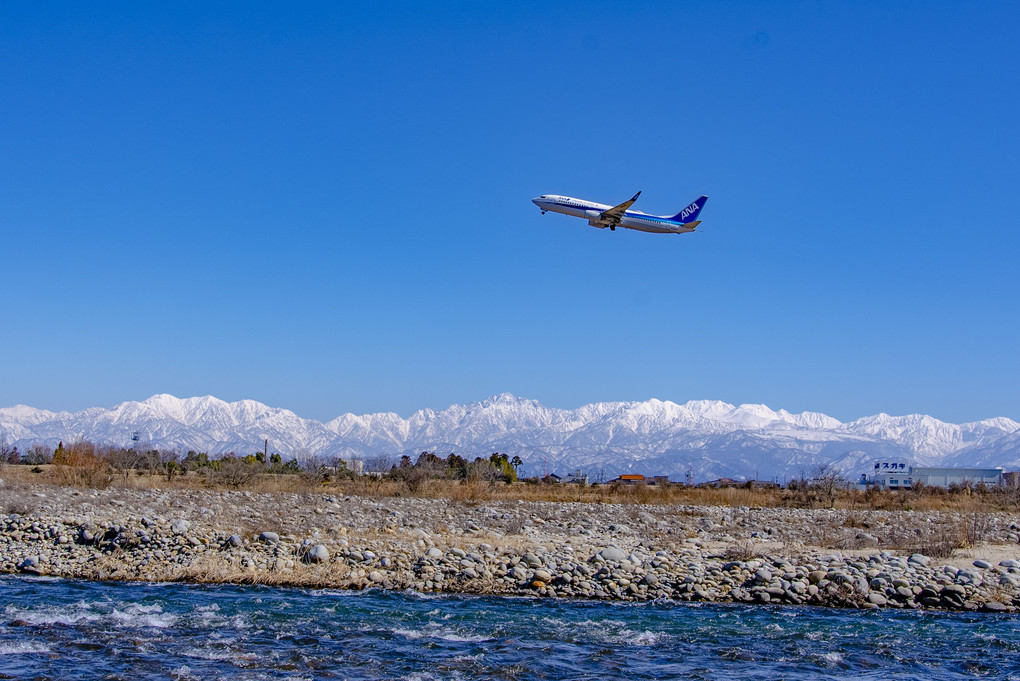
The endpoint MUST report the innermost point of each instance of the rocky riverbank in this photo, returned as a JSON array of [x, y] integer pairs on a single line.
[[862, 559]]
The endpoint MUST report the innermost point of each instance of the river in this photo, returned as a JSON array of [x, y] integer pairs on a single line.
[[62, 629]]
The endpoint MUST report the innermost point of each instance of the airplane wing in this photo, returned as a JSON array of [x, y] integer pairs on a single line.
[[615, 214]]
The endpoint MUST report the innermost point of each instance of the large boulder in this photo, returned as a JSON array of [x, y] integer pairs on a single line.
[[613, 554], [316, 554]]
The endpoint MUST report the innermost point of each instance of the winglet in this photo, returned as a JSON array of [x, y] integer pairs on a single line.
[[690, 213]]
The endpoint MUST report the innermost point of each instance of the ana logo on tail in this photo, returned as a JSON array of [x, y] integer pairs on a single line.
[[690, 213]]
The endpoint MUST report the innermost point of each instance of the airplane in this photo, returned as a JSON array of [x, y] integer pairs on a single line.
[[602, 216]]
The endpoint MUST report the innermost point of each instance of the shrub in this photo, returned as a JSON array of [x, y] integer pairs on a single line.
[[80, 466], [232, 472]]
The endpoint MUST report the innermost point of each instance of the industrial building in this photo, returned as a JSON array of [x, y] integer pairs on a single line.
[[945, 477], [900, 475]]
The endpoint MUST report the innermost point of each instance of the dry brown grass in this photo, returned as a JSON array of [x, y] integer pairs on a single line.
[[936, 540], [742, 550], [83, 471], [217, 572]]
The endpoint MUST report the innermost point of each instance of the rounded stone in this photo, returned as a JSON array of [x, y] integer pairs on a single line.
[[269, 538], [613, 554], [317, 554], [543, 576], [531, 560], [919, 558]]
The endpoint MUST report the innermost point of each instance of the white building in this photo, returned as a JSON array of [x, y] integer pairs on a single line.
[[578, 477], [900, 475], [888, 475], [945, 477]]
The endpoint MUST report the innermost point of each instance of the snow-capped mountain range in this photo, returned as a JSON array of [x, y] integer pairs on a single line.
[[713, 439]]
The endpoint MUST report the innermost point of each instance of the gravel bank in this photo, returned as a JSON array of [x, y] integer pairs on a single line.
[[860, 559]]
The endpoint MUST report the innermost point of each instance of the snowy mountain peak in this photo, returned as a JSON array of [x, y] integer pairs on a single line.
[[998, 423], [502, 398]]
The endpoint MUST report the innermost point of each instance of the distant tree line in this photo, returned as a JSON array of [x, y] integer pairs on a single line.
[[497, 468], [87, 463]]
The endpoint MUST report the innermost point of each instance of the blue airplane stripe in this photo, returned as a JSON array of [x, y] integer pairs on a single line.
[[653, 219]]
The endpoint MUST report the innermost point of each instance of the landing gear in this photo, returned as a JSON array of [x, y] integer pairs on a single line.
[[612, 228], [543, 212]]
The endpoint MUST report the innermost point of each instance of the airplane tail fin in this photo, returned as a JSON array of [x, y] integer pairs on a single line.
[[690, 213]]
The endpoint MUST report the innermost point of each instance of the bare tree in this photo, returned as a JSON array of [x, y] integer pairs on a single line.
[[378, 463], [38, 455], [828, 482], [233, 471], [8, 454], [5, 451], [482, 471], [121, 460], [81, 466]]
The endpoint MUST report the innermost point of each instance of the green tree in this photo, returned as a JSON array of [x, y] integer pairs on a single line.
[[516, 462], [504, 468], [456, 467]]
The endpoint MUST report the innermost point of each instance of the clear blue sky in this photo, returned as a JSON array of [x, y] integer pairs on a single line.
[[326, 207]]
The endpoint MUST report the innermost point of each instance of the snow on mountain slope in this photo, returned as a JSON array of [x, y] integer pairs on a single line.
[[711, 438]]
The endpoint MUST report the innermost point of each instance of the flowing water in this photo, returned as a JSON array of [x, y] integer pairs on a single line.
[[63, 629]]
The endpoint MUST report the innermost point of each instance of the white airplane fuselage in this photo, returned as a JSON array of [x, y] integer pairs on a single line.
[[596, 214]]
